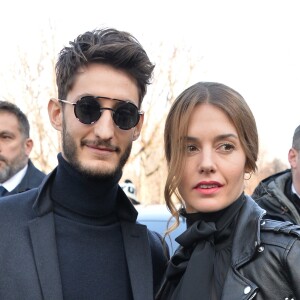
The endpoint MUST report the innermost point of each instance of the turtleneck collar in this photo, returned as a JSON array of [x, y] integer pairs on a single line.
[[79, 195]]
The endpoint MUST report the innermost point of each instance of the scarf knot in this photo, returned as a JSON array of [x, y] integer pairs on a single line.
[[198, 231]]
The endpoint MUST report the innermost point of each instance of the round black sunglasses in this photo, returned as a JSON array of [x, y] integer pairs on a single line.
[[88, 110]]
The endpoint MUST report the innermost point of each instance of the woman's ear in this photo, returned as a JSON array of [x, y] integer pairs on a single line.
[[55, 113], [247, 173], [137, 129]]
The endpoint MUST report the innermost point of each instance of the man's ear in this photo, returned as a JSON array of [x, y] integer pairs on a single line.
[[137, 129], [55, 113], [292, 157], [28, 146]]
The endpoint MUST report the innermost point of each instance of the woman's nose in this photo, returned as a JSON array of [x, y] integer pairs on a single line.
[[206, 162]]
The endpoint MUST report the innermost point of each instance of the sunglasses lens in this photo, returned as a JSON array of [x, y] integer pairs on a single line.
[[87, 110], [126, 116]]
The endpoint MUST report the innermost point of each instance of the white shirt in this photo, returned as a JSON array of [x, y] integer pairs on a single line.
[[12, 182], [294, 191]]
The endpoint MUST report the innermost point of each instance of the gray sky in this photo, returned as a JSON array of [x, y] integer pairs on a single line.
[[252, 46]]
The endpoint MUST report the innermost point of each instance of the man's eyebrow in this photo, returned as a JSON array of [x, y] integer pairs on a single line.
[[6, 132]]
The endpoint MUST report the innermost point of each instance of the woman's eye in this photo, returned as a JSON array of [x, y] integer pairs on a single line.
[[227, 147], [191, 148]]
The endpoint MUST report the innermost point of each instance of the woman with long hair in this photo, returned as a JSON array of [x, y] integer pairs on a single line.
[[228, 251]]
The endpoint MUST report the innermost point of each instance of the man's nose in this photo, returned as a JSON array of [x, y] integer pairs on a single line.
[[104, 128]]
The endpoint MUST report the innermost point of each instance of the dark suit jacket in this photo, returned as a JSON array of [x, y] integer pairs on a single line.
[[29, 267], [32, 179]]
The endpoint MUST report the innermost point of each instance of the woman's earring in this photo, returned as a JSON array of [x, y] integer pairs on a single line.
[[249, 176]]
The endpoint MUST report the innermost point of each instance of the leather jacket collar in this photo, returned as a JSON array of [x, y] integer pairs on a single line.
[[245, 245]]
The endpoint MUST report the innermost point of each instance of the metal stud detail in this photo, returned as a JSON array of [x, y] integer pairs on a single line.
[[247, 290], [261, 249]]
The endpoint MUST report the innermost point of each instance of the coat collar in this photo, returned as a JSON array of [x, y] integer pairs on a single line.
[[42, 233], [245, 245], [139, 261], [246, 241]]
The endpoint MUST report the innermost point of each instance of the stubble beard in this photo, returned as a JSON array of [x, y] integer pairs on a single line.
[[4, 173], [70, 150], [10, 169]]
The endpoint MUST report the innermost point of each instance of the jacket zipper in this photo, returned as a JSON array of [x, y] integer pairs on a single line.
[[252, 296]]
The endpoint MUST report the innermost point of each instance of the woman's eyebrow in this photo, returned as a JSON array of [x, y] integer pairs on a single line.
[[226, 136], [190, 139], [217, 138]]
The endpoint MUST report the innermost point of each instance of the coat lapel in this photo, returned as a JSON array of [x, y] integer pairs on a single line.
[[139, 261], [243, 249], [42, 235], [243, 288]]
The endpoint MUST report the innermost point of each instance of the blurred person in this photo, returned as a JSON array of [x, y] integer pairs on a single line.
[[17, 172], [130, 191], [228, 251], [279, 194], [76, 236]]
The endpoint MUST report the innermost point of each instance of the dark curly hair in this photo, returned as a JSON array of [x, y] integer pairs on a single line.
[[109, 46]]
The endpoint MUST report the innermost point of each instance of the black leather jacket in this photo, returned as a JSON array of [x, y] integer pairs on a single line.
[[265, 261]]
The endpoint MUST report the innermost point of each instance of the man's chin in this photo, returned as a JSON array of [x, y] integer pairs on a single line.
[[98, 170]]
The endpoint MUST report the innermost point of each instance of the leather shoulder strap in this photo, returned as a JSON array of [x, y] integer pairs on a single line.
[[282, 227]]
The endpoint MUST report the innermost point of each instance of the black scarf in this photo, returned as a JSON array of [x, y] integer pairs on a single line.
[[189, 274]]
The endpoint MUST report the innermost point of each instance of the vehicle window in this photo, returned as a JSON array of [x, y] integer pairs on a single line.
[[156, 218]]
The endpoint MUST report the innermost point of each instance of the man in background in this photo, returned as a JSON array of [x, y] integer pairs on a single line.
[[279, 194], [17, 172]]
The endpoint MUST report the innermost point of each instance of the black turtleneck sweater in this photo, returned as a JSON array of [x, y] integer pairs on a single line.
[[89, 241]]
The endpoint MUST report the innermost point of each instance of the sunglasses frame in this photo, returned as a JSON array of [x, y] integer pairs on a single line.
[[139, 112]]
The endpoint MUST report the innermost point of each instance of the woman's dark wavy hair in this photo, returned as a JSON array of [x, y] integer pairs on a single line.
[[109, 46]]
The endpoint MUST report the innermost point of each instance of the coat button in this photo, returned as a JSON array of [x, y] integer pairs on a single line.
[[247, 290]]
